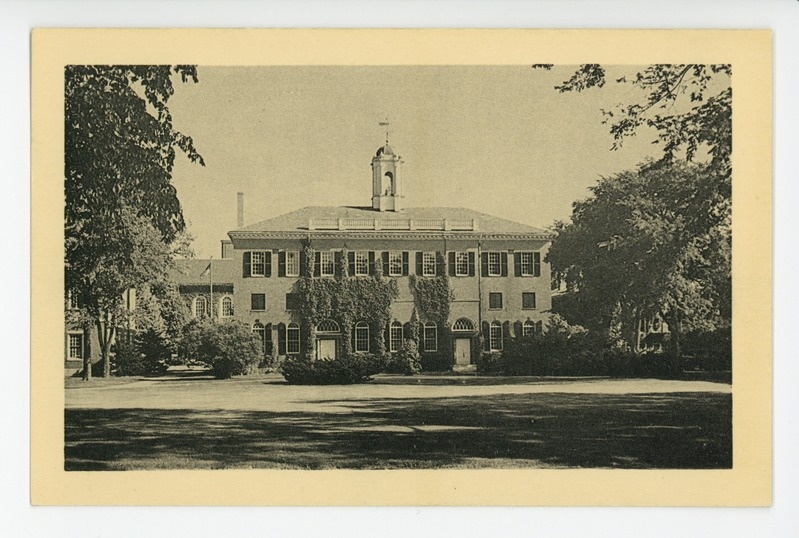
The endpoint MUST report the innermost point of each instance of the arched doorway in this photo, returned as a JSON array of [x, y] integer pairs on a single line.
[[328, 334], [462, 332]]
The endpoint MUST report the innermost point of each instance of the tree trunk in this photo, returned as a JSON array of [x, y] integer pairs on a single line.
[[87, 356], [105, 334]]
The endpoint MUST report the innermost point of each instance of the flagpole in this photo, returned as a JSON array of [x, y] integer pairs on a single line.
[[211, 285]]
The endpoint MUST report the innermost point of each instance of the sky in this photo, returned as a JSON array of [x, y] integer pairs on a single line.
[[496, 139]]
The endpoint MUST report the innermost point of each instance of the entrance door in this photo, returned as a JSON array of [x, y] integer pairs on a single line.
[[463, 351], [326, 349]]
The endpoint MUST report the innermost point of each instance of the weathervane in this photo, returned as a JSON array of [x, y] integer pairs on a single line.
[[385, 124]]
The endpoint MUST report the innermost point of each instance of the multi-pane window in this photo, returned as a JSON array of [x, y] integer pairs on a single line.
[[293, 338], [528, 328], [227, 307], [74, 302], [395, 263], [361, 263], [75, 346], [428, 263], [293, 301], [430, 336], [327, 266], [526, 262], [361, 336], [292, 263], [495, 336], [494, 264], [259, 331], [395, 336], [258, 264], [495, 300], [258, 301], [461, 264], [528, 300], [200, 307]]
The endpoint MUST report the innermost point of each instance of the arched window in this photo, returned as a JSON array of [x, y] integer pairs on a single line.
[[528, 328], [328, 326], [259, 331], [395, 336], [463, 325], [227, 307], [430, 336], [292, 338], [495, 336], [200, 307], [361, 336]]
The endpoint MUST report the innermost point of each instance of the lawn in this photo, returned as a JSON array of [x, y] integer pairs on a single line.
[[195, 422]]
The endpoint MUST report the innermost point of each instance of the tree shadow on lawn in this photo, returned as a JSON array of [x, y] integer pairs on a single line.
[[685, 430]]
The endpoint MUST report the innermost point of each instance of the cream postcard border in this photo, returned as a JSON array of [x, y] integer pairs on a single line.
[[748, 483]]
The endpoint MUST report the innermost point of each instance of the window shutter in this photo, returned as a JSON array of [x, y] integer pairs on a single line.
[[371, 263], [419, 263], [517, 263], [268, 339], [351, 262], [281, 339], [486, 336], [268, 263], [451, 264], [471, 263], [539, 327], [505, 333], [317, 266], [422, 345], [305, 333], [337, 262], [439, 264], [484, 263], [385, 263], [303, 264], [406, 331], [404, 264], [504, 261], [517, 329], [281, 263], [247, 269], [386, 338], [536, 263]]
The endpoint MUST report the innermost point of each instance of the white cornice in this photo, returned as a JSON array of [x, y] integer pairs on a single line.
[[335, 234]]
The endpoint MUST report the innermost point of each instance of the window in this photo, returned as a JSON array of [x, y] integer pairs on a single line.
[[361, 264], [495, 336], [495, 300], [293, 338], [226, 307], [528, 264], [258, 261], [428, 263], [395, 263], [528, 300], [326, 264], [494, 264], [528, 328], [259, 331], [293, 301], [200, 307], [258, 301], [430, 336], [327, 326], [361, 336], [73, 300], [395, 336], [292, 263], [461, 264], [463, 325], [75, 346]]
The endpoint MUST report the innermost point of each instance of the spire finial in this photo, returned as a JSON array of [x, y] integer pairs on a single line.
[[385, 124]]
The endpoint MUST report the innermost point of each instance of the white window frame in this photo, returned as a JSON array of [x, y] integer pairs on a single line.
[[428, 264], [361, 263], [197, 300], [395, 336], [72, 301], [361, 337], [327, 263], [395, 257], [526, 263], [226, 300], [261, 263], [79, 336], [494, 263], [260, 331], [292, 339], [433, 327], [495, 336], [528, 328], [293, 266], [461, 264]]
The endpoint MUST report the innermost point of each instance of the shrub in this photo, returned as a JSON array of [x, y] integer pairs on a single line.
[[622, 363], [436, 362], [145, 355], [489, 362], [405, 361], [355, 368], [708, 350], [228, 348]]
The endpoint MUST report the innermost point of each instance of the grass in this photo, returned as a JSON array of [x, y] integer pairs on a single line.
[[193, 422]]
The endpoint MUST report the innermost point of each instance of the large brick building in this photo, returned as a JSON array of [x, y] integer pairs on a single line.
[[495, 268]]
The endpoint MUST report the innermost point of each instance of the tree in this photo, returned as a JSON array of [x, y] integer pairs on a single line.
[[120, 148], [650, 241]]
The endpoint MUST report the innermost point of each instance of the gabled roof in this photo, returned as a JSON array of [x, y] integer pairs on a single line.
[[297, 221], [192, 271]]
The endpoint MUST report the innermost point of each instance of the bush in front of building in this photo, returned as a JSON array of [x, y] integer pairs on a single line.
[[343, 370], [405, 361], [146, 354], [708, 350], [228, 348], [436, 362], [489, 362]]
